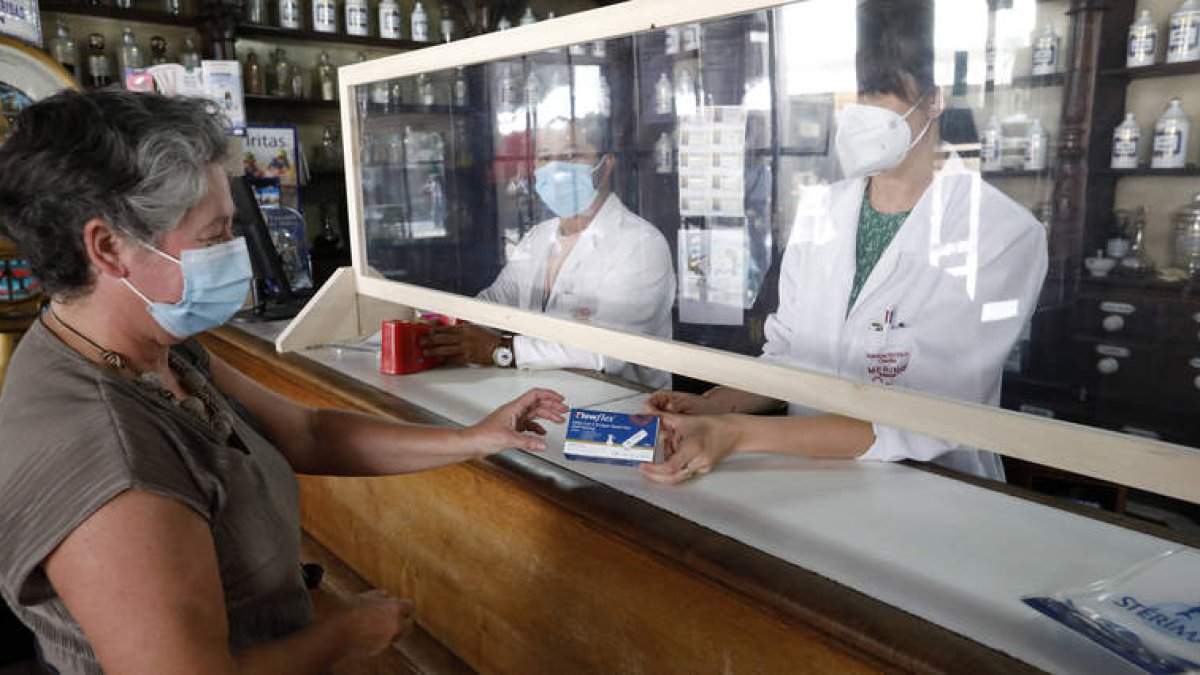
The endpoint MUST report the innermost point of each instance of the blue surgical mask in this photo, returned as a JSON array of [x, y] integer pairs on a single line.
[[216, 280], [566, 187]]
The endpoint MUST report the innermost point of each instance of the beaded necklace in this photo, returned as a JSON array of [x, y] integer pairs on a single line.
[[199, 404]]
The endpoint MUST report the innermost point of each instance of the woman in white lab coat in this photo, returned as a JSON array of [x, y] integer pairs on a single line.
[[596, 261], [904, 274]]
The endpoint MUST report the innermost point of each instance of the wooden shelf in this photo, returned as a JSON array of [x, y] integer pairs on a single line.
[[265, 100], [560, 57], [1191, 170], [1018, 173], [1151, 285], [277, 33], [1157, 70], [380, 117], [112, 12], [1038, 81]]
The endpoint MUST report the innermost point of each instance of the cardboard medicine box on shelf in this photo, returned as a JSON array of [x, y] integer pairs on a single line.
[[611, 437]]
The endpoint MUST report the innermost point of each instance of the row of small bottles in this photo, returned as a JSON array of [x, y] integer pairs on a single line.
[[356, 22], [1034, 145], [397, 148], [679, 97], [282, 78], [509, 97], [386, 96], [1183, 37], [1169, 147], [390, 24], [172, 7], [98, 70]]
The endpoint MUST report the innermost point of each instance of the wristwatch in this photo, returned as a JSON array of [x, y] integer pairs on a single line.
[[502, 355]]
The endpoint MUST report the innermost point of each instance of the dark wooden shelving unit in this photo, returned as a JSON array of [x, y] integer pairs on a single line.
[[1157, 70], [266, 100], [1018, 173], [1191, 170], [304, 35], [1037, 81], [1151, 285], [113, 12]]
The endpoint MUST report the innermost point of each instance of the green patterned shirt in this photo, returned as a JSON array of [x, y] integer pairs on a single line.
[[875, 231]]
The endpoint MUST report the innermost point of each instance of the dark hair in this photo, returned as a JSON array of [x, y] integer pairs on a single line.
[[596, 131], [895, 48], [139, 161]]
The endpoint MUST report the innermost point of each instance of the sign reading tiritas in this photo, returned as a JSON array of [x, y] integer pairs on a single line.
[[20, 19]]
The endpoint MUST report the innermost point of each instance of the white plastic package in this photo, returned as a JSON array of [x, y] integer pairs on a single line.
[[1149, 614]]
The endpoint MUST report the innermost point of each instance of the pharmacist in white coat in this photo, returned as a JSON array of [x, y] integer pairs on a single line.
[[905, 274], [595, 262]]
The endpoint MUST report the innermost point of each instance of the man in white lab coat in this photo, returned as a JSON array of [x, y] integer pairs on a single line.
[[596, 262], [905, 274]]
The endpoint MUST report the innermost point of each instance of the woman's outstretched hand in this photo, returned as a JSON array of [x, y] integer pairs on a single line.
[[507, 427], [693, 445]]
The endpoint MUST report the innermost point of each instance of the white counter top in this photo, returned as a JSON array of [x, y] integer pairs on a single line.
[[955, 554]]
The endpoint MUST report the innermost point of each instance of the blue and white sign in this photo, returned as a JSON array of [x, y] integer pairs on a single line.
[[20, 19]]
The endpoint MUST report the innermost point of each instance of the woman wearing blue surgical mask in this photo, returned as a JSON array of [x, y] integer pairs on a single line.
[[593, 261], [146, 487], [911, 272]]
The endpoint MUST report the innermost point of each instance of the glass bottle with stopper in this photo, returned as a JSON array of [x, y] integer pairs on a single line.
[[63, 49], [1137, 262], [99, 69], [326, 78], [252, 75], [283, 74], [130, 55], [188, 58], [158, 50]]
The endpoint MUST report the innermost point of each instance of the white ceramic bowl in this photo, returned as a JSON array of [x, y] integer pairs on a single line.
[[1100, 267]]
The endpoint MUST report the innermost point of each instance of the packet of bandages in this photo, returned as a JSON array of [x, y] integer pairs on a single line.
[[610, 437]]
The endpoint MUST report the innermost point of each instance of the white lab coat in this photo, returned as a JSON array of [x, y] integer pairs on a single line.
[[962, 275], [618, 275]]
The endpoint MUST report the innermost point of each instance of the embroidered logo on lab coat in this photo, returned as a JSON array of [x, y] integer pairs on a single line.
[[888, 354]]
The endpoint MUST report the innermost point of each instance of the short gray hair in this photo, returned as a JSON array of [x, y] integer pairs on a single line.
[[138, 161]]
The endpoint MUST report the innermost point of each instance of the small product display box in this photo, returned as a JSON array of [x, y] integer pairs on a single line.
[[401, 352], [611, 438]]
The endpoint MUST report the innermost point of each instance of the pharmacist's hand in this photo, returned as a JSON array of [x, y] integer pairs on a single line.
[[693, 446], [684, 404], [372, 621], [462, 343], [507, 426]]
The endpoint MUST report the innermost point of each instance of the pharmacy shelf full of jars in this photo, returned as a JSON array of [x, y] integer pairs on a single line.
[[289, 53], [1122, 348]]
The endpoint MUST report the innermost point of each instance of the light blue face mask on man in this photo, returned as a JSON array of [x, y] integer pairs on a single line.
[[566, 187], [216, 280]]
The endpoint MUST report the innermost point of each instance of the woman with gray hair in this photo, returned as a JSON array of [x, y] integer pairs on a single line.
[[148, 502]]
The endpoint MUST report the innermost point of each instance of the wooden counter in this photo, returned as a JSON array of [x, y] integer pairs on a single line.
[[519, 566]]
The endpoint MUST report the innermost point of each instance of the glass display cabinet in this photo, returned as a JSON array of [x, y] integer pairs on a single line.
[[700, 135]]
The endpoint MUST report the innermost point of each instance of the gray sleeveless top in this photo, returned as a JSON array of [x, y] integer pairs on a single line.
[[73, 435]]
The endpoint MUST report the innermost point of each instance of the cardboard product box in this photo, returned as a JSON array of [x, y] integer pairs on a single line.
[[611, 438], [401, 352], [401, 344]]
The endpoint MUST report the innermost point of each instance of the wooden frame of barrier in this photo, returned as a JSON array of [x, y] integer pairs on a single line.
[[354, 301]]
